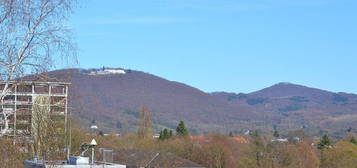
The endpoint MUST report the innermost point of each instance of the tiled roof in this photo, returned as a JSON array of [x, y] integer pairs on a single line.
[[140, 158]]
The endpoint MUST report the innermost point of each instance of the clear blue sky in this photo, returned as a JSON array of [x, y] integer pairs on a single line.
[[224, 45]]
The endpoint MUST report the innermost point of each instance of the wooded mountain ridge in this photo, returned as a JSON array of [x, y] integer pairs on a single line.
[[112, 98]]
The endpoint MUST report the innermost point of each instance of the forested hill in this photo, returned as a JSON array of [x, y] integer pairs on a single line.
[[113, 97]]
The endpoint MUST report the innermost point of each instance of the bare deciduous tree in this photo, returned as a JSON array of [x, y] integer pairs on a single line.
[[10, 155], [47, 133], [33, 36], [145, 127]]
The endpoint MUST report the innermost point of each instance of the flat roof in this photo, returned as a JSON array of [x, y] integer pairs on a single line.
[[35, 82], [63, 164]]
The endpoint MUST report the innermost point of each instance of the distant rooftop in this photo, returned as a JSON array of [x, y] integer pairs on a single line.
[[64, 164], [148, 158]]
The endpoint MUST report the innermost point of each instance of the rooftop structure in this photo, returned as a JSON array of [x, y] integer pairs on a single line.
[[64, 164], [19, 99], [78, 161], [93, 125]]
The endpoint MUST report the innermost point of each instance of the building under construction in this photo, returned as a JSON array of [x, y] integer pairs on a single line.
[[20, 101]]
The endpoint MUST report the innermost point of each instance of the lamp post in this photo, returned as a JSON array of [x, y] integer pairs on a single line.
[[93, 144]]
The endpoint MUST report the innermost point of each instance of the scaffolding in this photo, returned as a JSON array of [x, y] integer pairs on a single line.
[[17, 107]]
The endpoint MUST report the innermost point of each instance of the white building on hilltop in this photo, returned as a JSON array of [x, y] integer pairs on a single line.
[[107, 71]]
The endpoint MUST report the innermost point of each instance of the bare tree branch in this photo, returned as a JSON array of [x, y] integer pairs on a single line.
[[32, 34]]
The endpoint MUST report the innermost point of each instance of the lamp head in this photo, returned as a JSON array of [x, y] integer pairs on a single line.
[[94, 143]]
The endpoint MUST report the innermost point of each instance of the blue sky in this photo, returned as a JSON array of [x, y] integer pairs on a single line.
[[224, 45]]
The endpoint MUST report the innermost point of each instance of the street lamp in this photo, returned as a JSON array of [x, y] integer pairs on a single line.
[[93, 144], [85, 147]]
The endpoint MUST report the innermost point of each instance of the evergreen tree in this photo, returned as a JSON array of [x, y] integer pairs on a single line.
[[171, 133], [165, 134], [254, 134], [353, 140], [161, 136], [349, 129], [276, 133], [181, 129], [231, 134], [324, 142]]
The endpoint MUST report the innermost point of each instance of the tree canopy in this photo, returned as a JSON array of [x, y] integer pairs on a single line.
[[181, 129], [325, 142]]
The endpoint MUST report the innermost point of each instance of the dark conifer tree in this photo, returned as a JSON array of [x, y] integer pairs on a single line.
[[165, 134], [181, 129], [276, 133], [161, 136], [231, 134], [353, 140], [171, 133], [324, 142]]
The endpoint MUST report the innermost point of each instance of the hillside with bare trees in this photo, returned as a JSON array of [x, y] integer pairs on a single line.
[[113, 100]]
